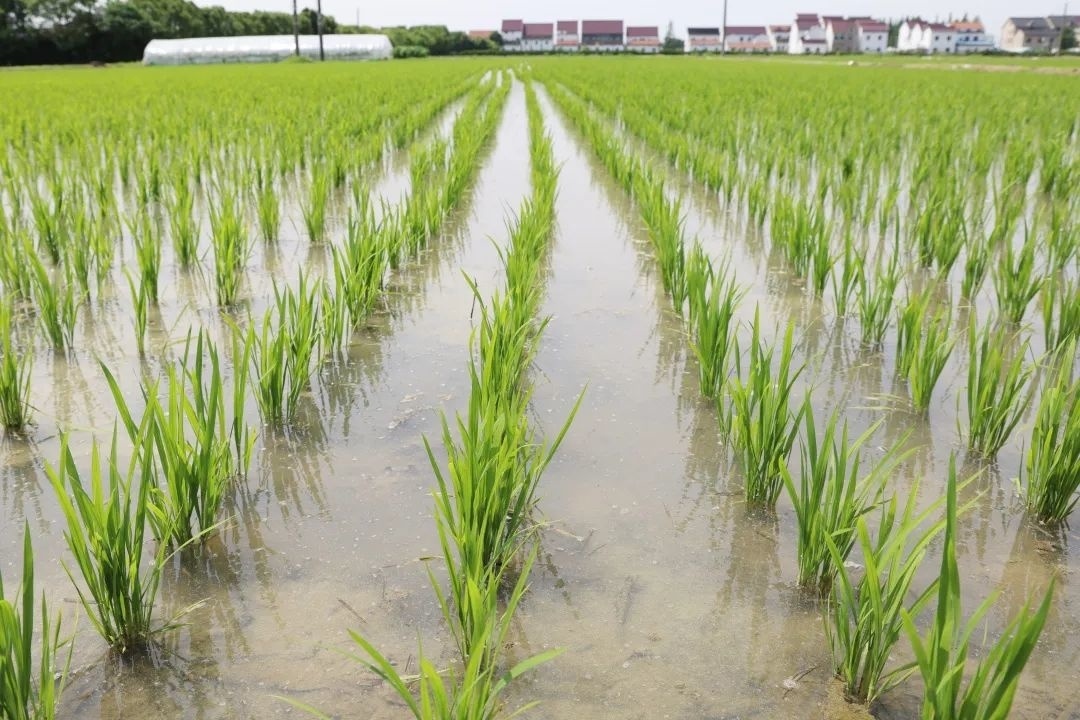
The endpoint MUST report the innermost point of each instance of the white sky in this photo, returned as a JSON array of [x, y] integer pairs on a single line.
[[486, 14]]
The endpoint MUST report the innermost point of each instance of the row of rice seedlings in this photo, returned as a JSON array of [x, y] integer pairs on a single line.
[[832, 494], [484, 499], [999, 386], [15, 367], [32, 677], [764, 424], [267, 205], [943, 654], [1051, 472]]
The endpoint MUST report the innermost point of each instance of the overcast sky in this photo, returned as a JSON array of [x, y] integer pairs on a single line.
[[486, 14]]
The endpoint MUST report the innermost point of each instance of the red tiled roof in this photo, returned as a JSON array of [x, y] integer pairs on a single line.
[[973, 26], [642, 31], [841, 25], [539, 31], [567, 26], [601, 27], [513, 25], [873, 26], [780, 28]]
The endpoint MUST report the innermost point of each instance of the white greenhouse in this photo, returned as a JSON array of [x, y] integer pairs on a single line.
[[264, 48]]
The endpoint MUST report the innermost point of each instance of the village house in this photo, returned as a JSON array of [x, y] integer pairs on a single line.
[[704, 39], [746, 38], [566, 36], [643, 39], [1036, 34], [971, 37], [872, 36], [807, 36], [511, 34], [602, 35], [778, 37], [538, 37], [840, 35]]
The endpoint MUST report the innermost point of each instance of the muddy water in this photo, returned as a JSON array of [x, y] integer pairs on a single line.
[[671, 601]]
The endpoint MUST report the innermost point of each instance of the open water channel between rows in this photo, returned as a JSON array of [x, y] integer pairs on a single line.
[[670, 599]]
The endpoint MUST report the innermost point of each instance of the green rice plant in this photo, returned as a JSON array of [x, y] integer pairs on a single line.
[[315, 208], [976, 264], [1060, 311], [472, 690], [186, 442], [832, 495], [140, 304], [1016, 280], [56, 304], [999, 386], [847, 275], [1051, 474], [105, 529], [877, 291], [284, 349], [147, 241], [15, 367], [243, 436], [923, 348], [48, 215], [942, 655], [183, 225], [28, 692], [764, 426], [232, 246], [864, 617], [360, 266], [267, 205], [714, 296]]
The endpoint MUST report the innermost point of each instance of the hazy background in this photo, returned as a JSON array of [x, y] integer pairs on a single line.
[[486, 14]]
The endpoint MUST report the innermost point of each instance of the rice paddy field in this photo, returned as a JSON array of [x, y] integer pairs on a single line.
[[589, 387]]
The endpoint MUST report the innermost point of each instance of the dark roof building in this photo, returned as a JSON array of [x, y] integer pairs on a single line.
[[538, 31], [602, 33], [513, 26]]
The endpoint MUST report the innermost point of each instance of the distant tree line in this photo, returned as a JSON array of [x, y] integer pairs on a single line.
[[46, 32]]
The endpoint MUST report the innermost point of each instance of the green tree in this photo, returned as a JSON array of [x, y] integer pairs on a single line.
[[1068, 38]]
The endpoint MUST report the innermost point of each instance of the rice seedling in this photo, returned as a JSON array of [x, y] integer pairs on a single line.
[[1060, 312], [847, 275], [877, 291], [864, 617], [284, 349], [232, 246], [942, 655], [1016, 281], [105, 529], [56, 305], [28, 692], [1051, 472], [318, 201], [832, 494], [999, 387], [763, 424], [266, 204], [714, 296], [140, 302], [183, 225], [147, 242], [360, 266], [923, 346], [15, 367], [976, 265]]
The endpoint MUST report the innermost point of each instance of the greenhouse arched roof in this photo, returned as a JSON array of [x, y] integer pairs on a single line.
[[264, 48]]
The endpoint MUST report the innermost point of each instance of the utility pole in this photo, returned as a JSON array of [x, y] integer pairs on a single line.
[[1064, 24], [295, 28], [318, 25], [723, 32]]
